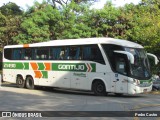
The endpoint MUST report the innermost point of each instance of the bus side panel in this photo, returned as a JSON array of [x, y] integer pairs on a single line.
[[59, 79], [9, 75]]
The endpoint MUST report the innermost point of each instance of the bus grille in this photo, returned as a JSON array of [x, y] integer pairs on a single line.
[[145, 84]]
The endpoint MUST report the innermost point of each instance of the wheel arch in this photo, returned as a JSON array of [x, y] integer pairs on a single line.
[[28, 76], [19, 75], [99, 79]]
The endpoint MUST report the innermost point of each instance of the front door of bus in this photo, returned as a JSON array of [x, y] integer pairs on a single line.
[[120, 79], [120, 83]]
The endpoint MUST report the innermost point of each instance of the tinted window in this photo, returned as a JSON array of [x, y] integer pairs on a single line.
[[118, 62], [40, 53], [74, 53], [8, 53], [27, 54], [80, 52], [93, 53], [65, 53], [57, 53], [17, 54]]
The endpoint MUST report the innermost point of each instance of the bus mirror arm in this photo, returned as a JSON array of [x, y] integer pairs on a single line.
[[155, 58], [129, 55]]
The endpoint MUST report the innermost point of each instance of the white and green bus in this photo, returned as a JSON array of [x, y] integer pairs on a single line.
[[101, 65]]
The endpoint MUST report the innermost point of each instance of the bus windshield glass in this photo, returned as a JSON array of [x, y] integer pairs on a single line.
[[141, 67]]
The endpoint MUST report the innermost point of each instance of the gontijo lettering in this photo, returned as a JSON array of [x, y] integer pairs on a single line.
[[71, 67], [78, 67]]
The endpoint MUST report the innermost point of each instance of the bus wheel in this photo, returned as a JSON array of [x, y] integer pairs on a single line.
[[29, 82], [20, 82], [99, 88]]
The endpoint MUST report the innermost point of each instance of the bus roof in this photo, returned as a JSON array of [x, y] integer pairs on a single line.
[[81, 41]]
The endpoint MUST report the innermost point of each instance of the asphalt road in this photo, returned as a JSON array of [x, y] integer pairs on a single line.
[[42, 99]]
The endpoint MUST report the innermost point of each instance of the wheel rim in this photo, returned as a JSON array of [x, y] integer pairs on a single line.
[[100, 88], [20, 82]]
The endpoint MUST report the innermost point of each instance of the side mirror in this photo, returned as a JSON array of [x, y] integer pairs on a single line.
[[129, 55], [153, 56]]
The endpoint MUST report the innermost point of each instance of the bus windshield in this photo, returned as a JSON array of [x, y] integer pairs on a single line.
[[141, 67]]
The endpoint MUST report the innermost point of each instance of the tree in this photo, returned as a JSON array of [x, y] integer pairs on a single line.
[[10, 21], [61, 3], [73, 22], [3, 20], [105, 21], [10, 9], [37, 24], [144, 21]]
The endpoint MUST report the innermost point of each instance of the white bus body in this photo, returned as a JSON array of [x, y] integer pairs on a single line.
[[102, 65]]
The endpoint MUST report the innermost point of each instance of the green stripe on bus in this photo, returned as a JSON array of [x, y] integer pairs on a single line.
[[78, 67], [15, 65]]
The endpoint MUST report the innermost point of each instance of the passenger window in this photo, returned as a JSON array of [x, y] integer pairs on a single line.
[[86, 53], [65, 53], [17, 54], [62, 54], [42, 53], [74, 53], [27, 54], [93, 53], [56, 53]]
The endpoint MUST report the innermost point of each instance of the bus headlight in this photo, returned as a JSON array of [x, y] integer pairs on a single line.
[[137, 82]]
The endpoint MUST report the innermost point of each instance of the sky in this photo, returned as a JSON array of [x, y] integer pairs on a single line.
[[99, 4]]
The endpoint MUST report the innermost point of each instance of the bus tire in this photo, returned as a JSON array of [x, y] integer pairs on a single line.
[[20, 82], [98, 88], [29, 82]]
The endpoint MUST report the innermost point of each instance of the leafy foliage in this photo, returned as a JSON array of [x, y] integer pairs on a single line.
[[74, 19], [10, 19], [10, 9]]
